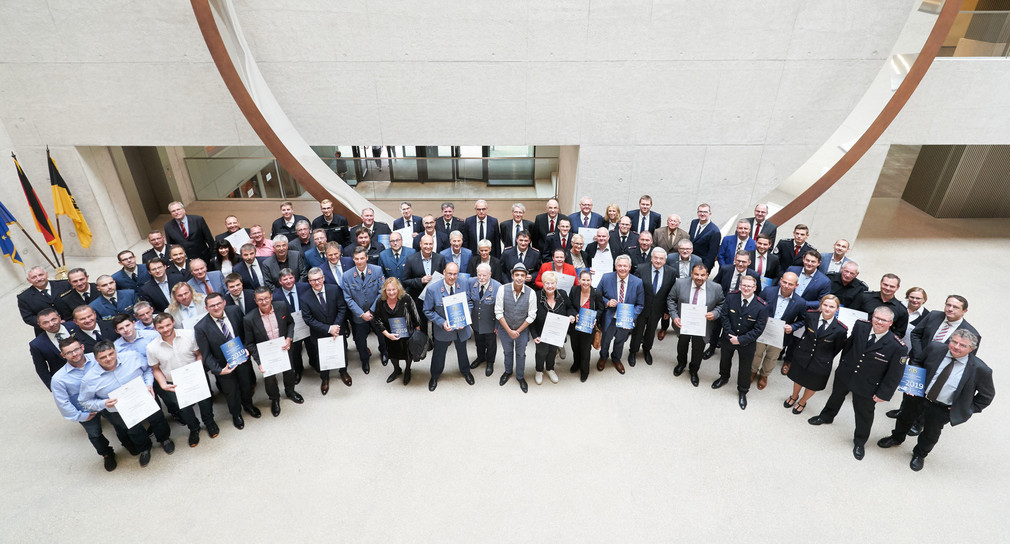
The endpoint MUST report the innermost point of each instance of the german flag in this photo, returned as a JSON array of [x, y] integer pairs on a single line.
[[38, 212], [64, 204], [6, 244]]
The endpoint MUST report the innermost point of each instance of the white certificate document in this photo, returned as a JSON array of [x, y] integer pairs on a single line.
[[273, 358], [588, 234], [848, 316], [435, 277], [301, 329], [555, 329], [692, 319], [565, 282], [190, 384], [407, 233], [331, 353], [458, 298], [774, 333], [134, 402], [237, 239]]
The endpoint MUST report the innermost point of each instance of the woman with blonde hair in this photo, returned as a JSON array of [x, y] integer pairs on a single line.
[[611, 217], [810, 365], [394, 311]]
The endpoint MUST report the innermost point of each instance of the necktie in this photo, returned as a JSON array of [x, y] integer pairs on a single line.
[[113, 301], [291, 300], [585, 222], [206, 287], [182, 227], [224, 329], [757, 229], [240, 303], [624, 240], [448, 226], [45, 292], [941, 380], [739, 244], [941, 333], [696, 291], [760, 270], [552, 226], [743, 304], [97, 335], [406, 224], [655, 281], [450, 290], [519, 227], [873, 337], [60, 336], [456, 257], [396, 256], [563, 243], [480, 233], [482, 292], [255, 276], [620, 295], [736, 281], [820, 330], [522, 257], [797, 250], [134, 276], [641, 224]]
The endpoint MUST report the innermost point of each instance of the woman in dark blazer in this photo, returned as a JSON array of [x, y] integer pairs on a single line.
[[393, 303], [810, 365], [224, 257], [584, 295], [552, 301]]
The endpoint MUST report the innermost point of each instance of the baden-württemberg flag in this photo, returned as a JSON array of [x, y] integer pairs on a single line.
[[6, 244], [64, 203], [39, 213]]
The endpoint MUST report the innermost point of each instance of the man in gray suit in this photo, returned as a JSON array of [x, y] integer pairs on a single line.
[[482, 293], [697, 289], [442, 331], [682, 261], [283, 257]]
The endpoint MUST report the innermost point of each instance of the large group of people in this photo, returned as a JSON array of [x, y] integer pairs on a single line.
[[608, 279]]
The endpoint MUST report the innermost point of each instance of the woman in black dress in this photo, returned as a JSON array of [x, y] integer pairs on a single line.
[[584, 295], [393, 302], [823, 337], [552, 301], [224, 257]]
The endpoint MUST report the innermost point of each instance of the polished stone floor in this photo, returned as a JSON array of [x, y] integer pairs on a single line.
[[639, 457]]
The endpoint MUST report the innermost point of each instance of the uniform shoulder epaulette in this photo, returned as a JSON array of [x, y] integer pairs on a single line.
[[761, 300], [25, 290], [65, 293], [898, 338], [844, 326], [813, 310]]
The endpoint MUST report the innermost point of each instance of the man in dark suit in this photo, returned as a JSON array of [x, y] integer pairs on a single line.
[[237, 295], [695, 289], [846, 286], [324, 311], [871, 369], [657, 280], [158, 291], [889, 284], [189, 231], [158, 249], [763, 261], [81, 291], [418, 272], [408, 219], [741, 241], [112, 301], [131, 275], [221, 324], [374, 228], [89, 329], [333, 224], [283, 257], [448, 223], [625, 239], [560, 239], [642, 254], [586, 218], [290, 290], [729, 279], [41, 295], [521, 253], [364, 239], [482, 226], [509, 229], [939, 326], [439, 239], [705, 236], [393, 260], [813, 285], [759, 224], [282, 325], [250, 269], [231, 226], [45, 349], [178, 262], [958, 384], [544, 224], [783, 304], [791, 252], [619, 287], [335, 265], [285, 224], [644, 219], [603, 252], [744, 316]]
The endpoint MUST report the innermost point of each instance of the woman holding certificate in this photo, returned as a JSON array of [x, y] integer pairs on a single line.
[[396, 318], [587, 307], [549, 332], [823, 337]]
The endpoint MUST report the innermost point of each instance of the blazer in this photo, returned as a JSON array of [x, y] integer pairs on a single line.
[[216, 280], [974, 392], [826, 260], [464, 257], [125, 299], [393, 268], [727, 250], [482, 309], [767, 227], [662, 238], [682, 293], [491, 233], [795, 312], [552, 244], [441, 241], [923, 333], [706, 245], [673, 260], [455, 224], [242, 269], [562, 306], [361, 289], [634, 293], [638, 260], [255, 332], [871, 369], [819, 286], [746, 324], [592, 248], [595, 221], [655, 300], [493, 262], [511, 257], [785, 250], [725, 278], [337, 229], [414, 271], [313, 258], [151, 253], [815, 352], [623, 248], [104, 328], [378, 227], [209, 337], [123, 281], [199, 243], [280, 227], [31, 301], [152, 293], [71, 299], [321, 317], [541, 228], [46, 356], [272, 269], [595, 303], [416, 223], [248, 299], [771, 267], [374, 249], [346, 263], [300, 288], [507, 231], [435, 312], [654, 222]]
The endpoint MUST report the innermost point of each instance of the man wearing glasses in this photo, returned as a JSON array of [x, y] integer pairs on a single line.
[[705, 236]]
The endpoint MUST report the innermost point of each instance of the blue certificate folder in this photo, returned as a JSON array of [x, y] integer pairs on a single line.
[[626, 316], [586, 320], [384, 240], [456, 316], [914, 381], [234, 352], [398, 326]]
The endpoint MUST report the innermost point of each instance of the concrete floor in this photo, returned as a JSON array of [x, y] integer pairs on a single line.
[[639, 457]]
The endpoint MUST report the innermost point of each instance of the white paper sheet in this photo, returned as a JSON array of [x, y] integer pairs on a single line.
[[774, 333], [435, 277], [566, 282], [848, 316], [134, 402], [692, 320], [555, 329], [407, 233], [301, 328], [237, 239], [190, 384], [272, 358], [331, 353]]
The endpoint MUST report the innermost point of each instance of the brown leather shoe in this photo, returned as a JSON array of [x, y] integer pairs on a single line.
[[785, 369], [346, 378], [619, 366], [660, 334], [324, 387], [601, 364], [753, 376], [762, 382]]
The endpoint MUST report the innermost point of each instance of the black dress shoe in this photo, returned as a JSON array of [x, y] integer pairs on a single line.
[[432, 384], [818, 420], [632, 359], [145, 457], [679, 369], [298, 378], [719, 383], [469, 378], [476, 363], [212, 429], [396, 374], [275, 407], [915, 429], [743, 401], [917, 462], [523, 386], [364, 367], [109, 461], [504, 378], [169, 446], [253, 411], [406, 376], [708, 353], [238, 422], [648, 358], [296, 397], [694, 379], [887, 442], [346, 378], [858, 452], [194, 438], [893, 414], [583, 377], [574, 368], [489, 370], [385, 359]]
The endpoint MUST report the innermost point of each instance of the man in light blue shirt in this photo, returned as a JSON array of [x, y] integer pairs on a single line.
[[130, 337], [112, 372]]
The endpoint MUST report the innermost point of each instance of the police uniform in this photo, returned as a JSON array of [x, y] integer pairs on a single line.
[[811, 361], [746, 324]]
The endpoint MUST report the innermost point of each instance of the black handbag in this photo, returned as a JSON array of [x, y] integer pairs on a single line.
[[418, 345]]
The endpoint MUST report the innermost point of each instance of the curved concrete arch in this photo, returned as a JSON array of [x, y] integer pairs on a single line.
[[238, 69]]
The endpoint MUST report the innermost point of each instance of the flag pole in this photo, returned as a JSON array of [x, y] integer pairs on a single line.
[[34, 243]]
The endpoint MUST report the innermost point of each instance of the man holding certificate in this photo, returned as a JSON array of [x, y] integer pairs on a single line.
[[272, 321], [176, 349], [786, 312], [744, 316], [324, 310], [657, 281], [361, 286], [624, 299], [102, 388], [700, 293], [448, 308], [220, 330]]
